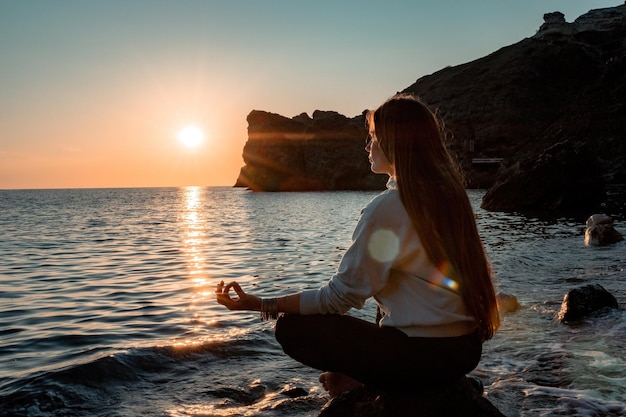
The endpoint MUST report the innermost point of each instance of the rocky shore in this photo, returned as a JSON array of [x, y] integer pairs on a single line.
[[547, 113]]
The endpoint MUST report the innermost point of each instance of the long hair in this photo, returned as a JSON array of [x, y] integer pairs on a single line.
[[432, 191]]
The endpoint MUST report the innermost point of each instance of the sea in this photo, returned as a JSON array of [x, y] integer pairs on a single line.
[[107, 304]]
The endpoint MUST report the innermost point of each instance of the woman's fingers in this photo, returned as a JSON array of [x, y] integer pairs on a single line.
[[221, 289], [223, 297], [235, 286], [240, 292], [242, 301], [221, 294]]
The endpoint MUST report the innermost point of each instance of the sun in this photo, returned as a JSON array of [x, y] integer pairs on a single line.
[[191, 136]]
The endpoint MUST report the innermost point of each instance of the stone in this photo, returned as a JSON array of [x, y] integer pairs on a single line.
[[294, 392], [464, 398], [554, 18], [554, 27], [599, 231], [565, 177], [585, 301], [507, 303]]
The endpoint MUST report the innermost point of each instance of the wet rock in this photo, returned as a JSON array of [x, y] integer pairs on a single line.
[[294, 392], [585, 301], [507, 303], [461, 399], [565, 177], [600, 231], [549, 370]]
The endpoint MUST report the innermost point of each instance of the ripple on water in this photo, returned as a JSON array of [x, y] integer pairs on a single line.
[[119, 284]]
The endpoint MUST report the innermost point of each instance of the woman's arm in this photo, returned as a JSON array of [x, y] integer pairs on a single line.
[[243, 301]]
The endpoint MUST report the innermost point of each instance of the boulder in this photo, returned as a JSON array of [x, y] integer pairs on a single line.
[[464, 398], [565, 177], [554, 27], [585, 301], [600, 231], [507, 303]]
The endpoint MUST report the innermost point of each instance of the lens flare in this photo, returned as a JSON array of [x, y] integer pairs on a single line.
[[441, 277], [383, 245]]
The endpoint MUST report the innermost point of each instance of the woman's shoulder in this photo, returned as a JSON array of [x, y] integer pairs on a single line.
[[384, 205], [389, 196]]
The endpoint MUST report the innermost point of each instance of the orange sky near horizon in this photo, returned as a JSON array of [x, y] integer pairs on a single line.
[[94, 94], [127, 136]]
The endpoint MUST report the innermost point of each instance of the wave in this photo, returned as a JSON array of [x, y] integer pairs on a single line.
[[103, 383]]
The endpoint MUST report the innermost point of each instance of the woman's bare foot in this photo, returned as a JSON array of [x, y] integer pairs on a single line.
[[335, 383]]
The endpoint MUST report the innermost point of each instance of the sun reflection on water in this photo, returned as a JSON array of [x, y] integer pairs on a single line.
[[193, 240], [193, 233]]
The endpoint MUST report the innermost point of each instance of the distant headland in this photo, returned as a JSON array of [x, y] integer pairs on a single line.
[[541, 124]]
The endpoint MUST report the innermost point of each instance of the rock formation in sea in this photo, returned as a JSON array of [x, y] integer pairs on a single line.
[[599, 231], [507, 303], [565, 86], [302, 153], [586, 301]]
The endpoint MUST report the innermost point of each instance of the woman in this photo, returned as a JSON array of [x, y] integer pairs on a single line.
[[417, 252]]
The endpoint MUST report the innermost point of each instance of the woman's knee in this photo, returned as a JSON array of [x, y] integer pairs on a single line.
[[298, 333], [286, 326]]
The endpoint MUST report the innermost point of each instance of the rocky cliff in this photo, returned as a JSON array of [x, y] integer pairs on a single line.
[[323, 152], [564, 86]]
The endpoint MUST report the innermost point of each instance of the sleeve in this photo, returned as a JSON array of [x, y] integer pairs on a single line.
[[363, 270]]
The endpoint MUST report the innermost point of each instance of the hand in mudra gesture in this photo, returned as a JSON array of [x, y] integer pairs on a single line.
[[243, 301]]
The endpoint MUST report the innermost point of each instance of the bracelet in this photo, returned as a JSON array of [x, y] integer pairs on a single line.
[[269, 309]]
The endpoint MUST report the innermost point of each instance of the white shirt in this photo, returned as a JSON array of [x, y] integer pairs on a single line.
[[387, 261]]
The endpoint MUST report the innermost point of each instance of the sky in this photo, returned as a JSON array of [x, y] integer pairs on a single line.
[[95, 94]]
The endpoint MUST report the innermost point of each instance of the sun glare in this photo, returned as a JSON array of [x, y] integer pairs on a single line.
[[191, 136]]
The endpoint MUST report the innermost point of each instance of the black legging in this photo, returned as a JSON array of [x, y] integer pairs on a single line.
[[380, 357]]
